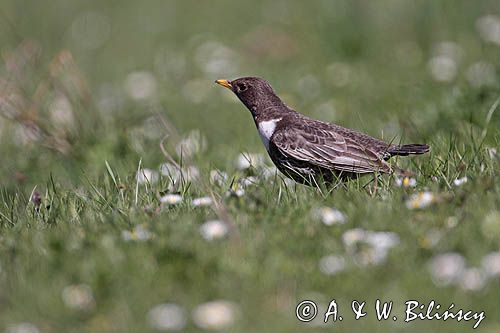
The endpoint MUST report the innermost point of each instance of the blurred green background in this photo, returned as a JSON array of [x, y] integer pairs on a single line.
[[364, 64], [85, 83]]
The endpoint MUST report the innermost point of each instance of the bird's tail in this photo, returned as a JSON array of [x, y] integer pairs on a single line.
[[404, 150]]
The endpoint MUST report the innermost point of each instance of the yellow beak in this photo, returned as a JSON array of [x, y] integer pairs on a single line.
[[224, 83]]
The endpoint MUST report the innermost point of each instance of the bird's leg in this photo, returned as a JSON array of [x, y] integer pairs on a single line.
[[367, 186], [375, 185], [318, 187], [371, 181], [335, 185]]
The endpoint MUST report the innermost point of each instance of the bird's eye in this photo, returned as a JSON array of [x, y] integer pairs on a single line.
[[241, 87]]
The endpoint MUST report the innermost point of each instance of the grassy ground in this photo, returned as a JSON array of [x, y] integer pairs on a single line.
[[95, 98]]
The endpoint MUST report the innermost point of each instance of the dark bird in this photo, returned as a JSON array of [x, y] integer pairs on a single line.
[[308, 150]]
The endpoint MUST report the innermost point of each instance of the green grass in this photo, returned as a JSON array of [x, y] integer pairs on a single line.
[[85, 167]]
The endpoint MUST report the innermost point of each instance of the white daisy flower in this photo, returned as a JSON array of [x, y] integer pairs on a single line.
[[382, 239], [406, 182], [176, 174], [191, 173], [431, 238], [447, 268], [171, 199], [171, 171], [460, 181], [268, 172], [247, 181], [140, 85], [488, 27], [215, 315], [421, 200], [353, 236], [218, 177], [378, 245], [329, 216], [191, 144], [202, 201], [139, 233], [238, 192], [370, 256], [481, 74], [78, 297], [248, 160], [332, 264], [442, 68], [167, 317], [24, 327], [472, 279], [491, 264], [492, 152], [214, 229], [147, 176]]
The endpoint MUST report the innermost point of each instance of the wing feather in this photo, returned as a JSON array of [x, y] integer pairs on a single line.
[[327, 149]]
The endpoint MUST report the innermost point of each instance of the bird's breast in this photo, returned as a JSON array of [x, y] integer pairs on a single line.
[[266, 130]]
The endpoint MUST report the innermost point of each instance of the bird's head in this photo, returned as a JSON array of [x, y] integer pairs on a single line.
[[256, 93]]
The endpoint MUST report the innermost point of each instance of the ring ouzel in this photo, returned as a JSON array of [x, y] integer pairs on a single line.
[[309, 150]]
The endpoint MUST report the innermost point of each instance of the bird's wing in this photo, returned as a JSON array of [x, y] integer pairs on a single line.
[[327, 149]]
